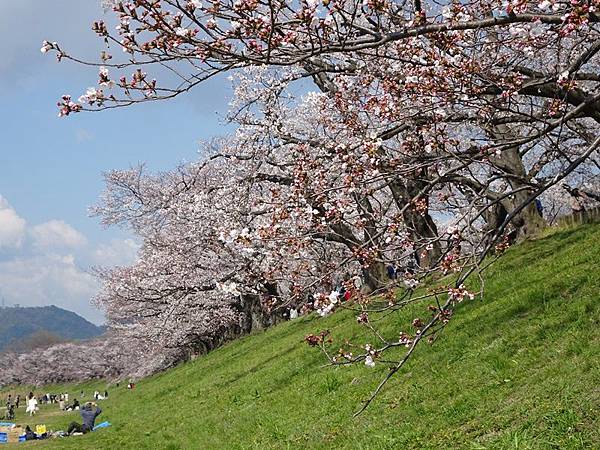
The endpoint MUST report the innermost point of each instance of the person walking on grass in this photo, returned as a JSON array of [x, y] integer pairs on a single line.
[[88, 412], [10, 412], [32, 404]]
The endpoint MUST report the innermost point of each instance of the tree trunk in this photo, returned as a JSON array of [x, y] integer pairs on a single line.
[[420, 225], [529, 221], [424, 229], [374, 276], [253, 315]]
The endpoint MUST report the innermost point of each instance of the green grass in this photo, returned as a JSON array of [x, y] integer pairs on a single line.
[[519, 369]]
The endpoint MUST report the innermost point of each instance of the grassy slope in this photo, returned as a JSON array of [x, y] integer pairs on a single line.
[[519, 369]]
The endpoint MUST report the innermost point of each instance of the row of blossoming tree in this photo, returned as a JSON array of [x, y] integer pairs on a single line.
[[376, 134], [100, 358]]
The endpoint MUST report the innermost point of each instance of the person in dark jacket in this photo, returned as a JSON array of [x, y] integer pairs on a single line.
[[88, 412], [10, 412], [29, 434]]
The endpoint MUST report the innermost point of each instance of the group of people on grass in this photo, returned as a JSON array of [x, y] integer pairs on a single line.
[[32, 403], [343, 291], [89, 411], [12, 404]]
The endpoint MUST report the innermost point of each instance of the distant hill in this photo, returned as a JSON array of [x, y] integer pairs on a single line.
[[22, 327]]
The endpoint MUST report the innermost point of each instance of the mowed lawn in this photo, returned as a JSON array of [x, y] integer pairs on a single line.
[[518, 369]]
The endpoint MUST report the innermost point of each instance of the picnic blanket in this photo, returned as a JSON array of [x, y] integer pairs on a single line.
[[10, 433], [101, 425]]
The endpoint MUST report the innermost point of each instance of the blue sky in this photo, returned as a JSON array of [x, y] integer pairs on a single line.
[[51, 168]]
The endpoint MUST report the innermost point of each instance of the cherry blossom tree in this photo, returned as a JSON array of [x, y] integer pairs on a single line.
[[427, 133], [63, 363], [112, 357], [212, 262]]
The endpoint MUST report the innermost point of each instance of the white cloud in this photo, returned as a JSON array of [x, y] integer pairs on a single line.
[[37, 267], [56, 233], [12, 227], [118, 252], [50, 279], [49, 263]]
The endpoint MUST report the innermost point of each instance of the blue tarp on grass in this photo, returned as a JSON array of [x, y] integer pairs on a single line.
[[101, 425]]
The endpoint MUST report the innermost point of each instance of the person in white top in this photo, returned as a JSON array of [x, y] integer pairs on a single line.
[[31, 405]]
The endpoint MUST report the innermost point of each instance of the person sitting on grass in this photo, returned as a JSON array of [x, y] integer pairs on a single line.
[[74, 406], [88, 414], [29, 434]]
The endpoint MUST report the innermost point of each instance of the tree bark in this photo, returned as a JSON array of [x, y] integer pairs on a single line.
[[374, 276], [420, 225], [529, 222]]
